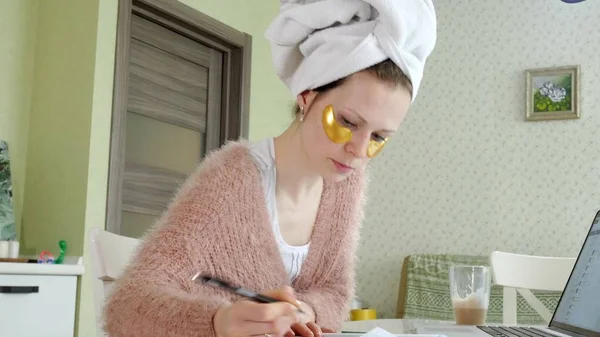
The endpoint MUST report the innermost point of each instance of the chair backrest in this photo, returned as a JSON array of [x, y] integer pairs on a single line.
[[522, 273], [110, 255]]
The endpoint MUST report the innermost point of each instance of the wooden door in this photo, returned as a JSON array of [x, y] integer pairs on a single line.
[[172, 118], [181, 90]]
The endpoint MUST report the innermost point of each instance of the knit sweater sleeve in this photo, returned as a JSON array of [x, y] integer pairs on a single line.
[[155, 296], [333, 286], [331, 300]]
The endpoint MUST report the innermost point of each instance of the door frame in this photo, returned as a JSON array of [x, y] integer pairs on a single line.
[[234, 115]]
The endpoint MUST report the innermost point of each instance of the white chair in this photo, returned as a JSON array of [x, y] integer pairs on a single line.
[[522, 273], [110, 254]]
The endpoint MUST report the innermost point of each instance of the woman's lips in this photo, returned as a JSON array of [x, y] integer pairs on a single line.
[[342, 168]]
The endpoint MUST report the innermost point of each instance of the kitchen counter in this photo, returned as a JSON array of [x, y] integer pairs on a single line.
[[71, 266]]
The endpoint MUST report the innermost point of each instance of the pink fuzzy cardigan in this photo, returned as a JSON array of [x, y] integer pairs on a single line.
[[218, 224]]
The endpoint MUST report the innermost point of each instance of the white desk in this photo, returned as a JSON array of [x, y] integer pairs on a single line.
[[393, 325], [38, 299]]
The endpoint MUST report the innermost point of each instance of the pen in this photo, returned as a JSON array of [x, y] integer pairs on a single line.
[[215, 282]]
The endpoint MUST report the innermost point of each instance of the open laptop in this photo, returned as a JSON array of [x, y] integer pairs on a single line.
[[577, 313]]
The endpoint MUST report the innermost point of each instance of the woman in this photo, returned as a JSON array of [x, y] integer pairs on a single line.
[[281, 216]]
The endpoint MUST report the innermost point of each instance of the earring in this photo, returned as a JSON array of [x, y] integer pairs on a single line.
[[301, 113]]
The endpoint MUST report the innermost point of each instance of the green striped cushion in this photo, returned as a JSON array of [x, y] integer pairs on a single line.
[[428, 291]]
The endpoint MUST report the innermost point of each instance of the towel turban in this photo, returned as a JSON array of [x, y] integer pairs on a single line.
[[316, 42]]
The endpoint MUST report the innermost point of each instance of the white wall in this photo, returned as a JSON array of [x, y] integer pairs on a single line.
[[467, 174]]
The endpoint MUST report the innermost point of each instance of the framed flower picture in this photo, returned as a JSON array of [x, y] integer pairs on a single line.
[[552, 93], [7, 218]]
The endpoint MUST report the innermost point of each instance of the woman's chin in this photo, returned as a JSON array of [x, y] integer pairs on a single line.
[[334, 177]]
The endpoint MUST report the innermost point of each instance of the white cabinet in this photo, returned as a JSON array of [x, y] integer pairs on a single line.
[[38, 300]]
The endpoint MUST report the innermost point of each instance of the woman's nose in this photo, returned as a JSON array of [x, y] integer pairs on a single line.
[[358, 145]]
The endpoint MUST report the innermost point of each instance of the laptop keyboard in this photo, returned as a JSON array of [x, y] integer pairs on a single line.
[[514, 331]]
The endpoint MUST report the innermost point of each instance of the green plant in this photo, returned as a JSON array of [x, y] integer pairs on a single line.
[[543, 103]]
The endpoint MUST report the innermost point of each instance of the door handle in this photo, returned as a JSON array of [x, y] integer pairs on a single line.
[[19, 289]]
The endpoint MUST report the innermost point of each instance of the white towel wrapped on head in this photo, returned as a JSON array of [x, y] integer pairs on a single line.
[[316, 42]]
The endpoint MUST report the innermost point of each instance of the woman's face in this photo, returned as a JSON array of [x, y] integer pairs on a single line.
[[364, 107]]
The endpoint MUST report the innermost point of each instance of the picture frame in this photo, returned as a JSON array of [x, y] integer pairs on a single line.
[[552, 93], [7, 217]]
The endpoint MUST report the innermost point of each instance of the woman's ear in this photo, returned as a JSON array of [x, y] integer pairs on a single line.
[[306, 98]]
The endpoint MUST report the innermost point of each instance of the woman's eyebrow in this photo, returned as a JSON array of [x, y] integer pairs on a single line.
[[365, 122], [357, 115]]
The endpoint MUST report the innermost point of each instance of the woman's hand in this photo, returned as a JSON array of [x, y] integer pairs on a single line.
[[247, 318], [305, 327], [309, 329]]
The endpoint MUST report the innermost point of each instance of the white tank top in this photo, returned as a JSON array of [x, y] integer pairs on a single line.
[[263, 153]]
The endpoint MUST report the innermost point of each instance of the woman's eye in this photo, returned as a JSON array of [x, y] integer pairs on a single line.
[[378, 138], [346, 122]]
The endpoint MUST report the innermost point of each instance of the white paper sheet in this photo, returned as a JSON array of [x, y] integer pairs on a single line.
[[378, 332]]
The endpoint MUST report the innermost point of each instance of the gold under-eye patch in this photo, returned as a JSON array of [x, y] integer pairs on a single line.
[[375, 147], [337, 133], [340, 134]]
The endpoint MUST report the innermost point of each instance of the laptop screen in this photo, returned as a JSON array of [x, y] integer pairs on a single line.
[[579, 307]]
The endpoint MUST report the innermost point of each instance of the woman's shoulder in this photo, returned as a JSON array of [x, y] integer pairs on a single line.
[[231, 164], [232, 151]]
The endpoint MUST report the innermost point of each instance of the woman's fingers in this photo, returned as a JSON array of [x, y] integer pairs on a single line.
[[300, 329], [261, 312], [260, 318], [309, 329], [249, 318], [277, 328], [315, 328], [285, 294]]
